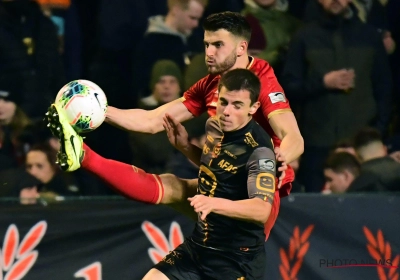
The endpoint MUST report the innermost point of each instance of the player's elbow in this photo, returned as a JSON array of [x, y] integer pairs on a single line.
[[300, 141], [264, 212], [154, 122]]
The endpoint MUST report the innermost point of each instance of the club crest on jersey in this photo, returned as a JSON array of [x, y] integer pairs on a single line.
[[249, 140], [277, 97]]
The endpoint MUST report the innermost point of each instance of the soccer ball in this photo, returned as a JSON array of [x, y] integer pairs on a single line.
[[84, 104]]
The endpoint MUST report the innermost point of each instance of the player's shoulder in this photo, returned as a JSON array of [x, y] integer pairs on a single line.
[[261, 68], [259, 136], [212, 124], [204, 86], [208, 80]]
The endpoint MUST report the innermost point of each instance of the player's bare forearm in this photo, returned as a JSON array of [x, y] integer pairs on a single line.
[[292, 146], [133, 119], [253, 210], [147, 121], [286, 128]]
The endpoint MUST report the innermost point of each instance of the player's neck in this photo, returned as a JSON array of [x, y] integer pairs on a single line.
[[242, 62]]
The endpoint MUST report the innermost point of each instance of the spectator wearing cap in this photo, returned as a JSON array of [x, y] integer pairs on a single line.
[[12, 122], [151, 151], [166, 83]]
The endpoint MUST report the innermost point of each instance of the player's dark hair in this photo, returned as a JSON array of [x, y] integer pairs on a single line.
[[241, 79], [341, 161], [234, 23], [366, 136]]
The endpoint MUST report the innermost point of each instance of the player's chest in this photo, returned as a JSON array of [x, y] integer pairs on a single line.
[[224, 159]]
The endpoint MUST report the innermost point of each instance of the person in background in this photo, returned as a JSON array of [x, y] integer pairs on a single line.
[[13, 120], [166, 38], [340, 170], [17, 183], [337, 73], [152, 151], [41, 163]]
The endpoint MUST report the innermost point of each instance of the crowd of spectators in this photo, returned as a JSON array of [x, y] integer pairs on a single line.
[[341, 74]]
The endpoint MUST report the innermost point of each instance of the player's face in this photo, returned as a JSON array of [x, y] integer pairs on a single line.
[[167, 89], [221, 51], [335, 7], [38, 166], [7, 111], [234, 109], [189, 19], [337, 182]]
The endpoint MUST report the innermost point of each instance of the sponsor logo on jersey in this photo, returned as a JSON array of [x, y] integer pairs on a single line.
[[277, 97], [266, 164]]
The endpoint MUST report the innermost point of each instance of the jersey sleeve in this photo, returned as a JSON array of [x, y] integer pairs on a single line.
[[194, 98], [272, 97], [261, 169]]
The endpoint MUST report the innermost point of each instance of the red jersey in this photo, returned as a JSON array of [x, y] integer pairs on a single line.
[[203, 96]]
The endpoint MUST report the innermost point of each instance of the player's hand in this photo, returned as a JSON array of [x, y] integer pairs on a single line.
[[281, 164], [202, 204], [177, 134]]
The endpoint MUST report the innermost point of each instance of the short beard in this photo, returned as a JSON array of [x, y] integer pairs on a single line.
[[224, 66]]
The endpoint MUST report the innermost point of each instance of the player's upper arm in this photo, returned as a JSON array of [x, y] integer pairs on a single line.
[[261, 169], [272, 97]]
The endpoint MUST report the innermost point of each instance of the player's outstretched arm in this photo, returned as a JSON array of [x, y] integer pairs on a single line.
[[147, 121]]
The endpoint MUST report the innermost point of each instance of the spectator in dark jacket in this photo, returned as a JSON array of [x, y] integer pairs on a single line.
[[337, 70], [166, 38], [29, 54]]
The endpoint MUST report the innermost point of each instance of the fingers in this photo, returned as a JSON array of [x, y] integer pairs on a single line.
[[166, 123], [283, 167]]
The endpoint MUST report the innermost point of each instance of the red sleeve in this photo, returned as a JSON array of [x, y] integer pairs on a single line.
[[273, 99], [194, 98]]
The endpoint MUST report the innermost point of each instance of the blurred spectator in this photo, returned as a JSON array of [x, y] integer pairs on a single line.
[[151, 151], [340, 170], [38, 134], [345, 145], [18, 183], [383, 170], [372, 12], [272, 30], [29, 57], [12, 122], [41, 163], [64, 15], [166, 38], [337, 73]]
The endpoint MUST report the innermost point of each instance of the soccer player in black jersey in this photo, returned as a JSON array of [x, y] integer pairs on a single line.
[[236, 187]]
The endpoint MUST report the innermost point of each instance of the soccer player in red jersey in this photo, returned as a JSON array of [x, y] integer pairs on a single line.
[[226, 40]]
